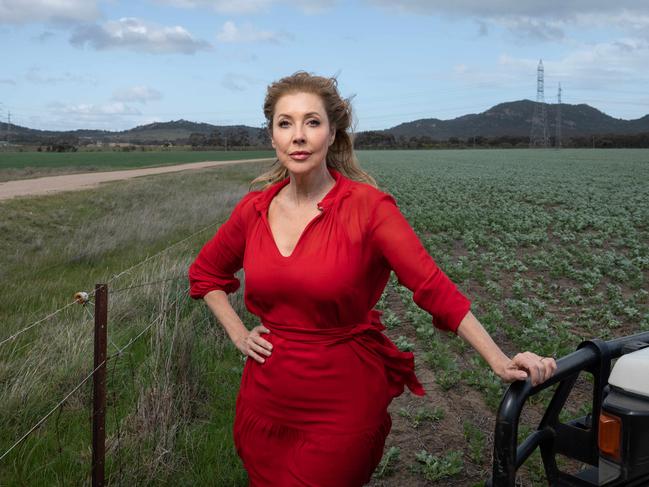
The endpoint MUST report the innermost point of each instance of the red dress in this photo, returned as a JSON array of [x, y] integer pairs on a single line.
[[315, 413]]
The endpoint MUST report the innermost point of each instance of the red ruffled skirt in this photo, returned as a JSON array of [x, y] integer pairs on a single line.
[[315, 413]]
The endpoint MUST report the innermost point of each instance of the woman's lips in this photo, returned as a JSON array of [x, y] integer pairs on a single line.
[[299, 156]]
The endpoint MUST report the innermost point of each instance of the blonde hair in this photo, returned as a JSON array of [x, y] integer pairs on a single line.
[[340, 155]]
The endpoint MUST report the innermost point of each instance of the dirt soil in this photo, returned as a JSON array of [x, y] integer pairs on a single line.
[[74, 182], [460, 404]]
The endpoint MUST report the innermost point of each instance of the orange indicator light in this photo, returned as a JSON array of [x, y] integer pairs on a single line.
[[610, 435]]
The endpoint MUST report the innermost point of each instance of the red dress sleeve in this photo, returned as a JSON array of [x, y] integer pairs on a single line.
[[399, 245], [221, 257]]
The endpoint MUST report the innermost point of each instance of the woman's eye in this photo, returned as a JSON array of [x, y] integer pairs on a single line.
[[314, 123], [283, 123]]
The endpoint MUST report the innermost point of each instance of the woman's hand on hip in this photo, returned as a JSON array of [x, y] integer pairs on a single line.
[[253, 345]]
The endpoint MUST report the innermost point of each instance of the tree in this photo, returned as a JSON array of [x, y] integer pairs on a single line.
[[215, 138], [264, 136], [66, 143], [197, 140], [242, 139]]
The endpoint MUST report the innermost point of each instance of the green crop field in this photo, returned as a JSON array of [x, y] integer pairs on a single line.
[[19, 165], [552, 247]]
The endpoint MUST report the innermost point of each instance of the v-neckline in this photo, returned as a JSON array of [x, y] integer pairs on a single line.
[[308, 225], [299, 239]]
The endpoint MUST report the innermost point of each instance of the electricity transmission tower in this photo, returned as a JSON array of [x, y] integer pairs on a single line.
[[558, 127], [6, 141], [539, 134]]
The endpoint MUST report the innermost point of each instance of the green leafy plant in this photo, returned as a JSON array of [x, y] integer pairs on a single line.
[[387, 463], [404, 344], [435, 468], [475, 439], [421, 415]]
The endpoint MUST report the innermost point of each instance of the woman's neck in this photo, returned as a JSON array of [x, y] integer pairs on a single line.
[[308, 188]]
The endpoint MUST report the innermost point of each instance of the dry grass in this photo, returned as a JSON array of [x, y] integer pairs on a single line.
[[162, 384]]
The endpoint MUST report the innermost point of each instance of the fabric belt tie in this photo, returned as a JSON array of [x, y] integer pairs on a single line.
[[399, 366]]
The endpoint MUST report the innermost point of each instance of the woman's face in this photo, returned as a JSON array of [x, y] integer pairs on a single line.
[[301, 134]]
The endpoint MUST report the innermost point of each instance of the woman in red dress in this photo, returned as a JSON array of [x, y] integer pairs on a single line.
[[317, 246]]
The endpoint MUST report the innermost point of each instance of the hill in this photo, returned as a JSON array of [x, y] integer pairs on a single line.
[[177, 132], [511, 119], [515, 119]]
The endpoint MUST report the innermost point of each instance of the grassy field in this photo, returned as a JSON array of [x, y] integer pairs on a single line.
[[20, 165], [551, 246], [171, 395]]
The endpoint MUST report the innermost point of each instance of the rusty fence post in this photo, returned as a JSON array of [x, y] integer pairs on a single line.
[[99, 386]]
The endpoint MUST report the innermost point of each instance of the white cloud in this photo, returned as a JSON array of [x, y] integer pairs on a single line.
[[44, 36], [239, 82], [7, 81], [635, 22], [602, 66], [507, 8], [36, 75], [138, 94], [531, 19], [227, 6], [92, 109], [251, 6], [313, 6], [231, 33], [105, 116], [532, 28], [26, 11], [138, 35]]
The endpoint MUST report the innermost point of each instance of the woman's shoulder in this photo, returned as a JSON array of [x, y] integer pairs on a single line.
[[245, 208], [368, 194]]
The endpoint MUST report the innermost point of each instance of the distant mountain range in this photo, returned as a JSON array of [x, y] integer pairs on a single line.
[[505, 119], [515, 119], [159, 132]]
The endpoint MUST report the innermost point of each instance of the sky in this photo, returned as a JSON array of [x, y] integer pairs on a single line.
[[114, 65]]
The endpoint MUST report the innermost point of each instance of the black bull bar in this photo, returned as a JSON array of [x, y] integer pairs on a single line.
[[575, 439]]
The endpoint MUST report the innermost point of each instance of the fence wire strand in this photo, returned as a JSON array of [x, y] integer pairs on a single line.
[[113, 278], [42, 320], [135, 286], [119, 352], [134, 266], [148, 327], [53, 410]]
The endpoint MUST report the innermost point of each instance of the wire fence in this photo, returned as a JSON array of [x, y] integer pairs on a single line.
[[36, 323], [113, 278], [116, 354], [117, 350]]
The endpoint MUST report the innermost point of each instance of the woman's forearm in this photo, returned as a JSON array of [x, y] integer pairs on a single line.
[[472, 331], [249, 342], [220, 306], [520, 367]]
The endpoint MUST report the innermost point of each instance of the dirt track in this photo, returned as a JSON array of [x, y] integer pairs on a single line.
[[74, 182]]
